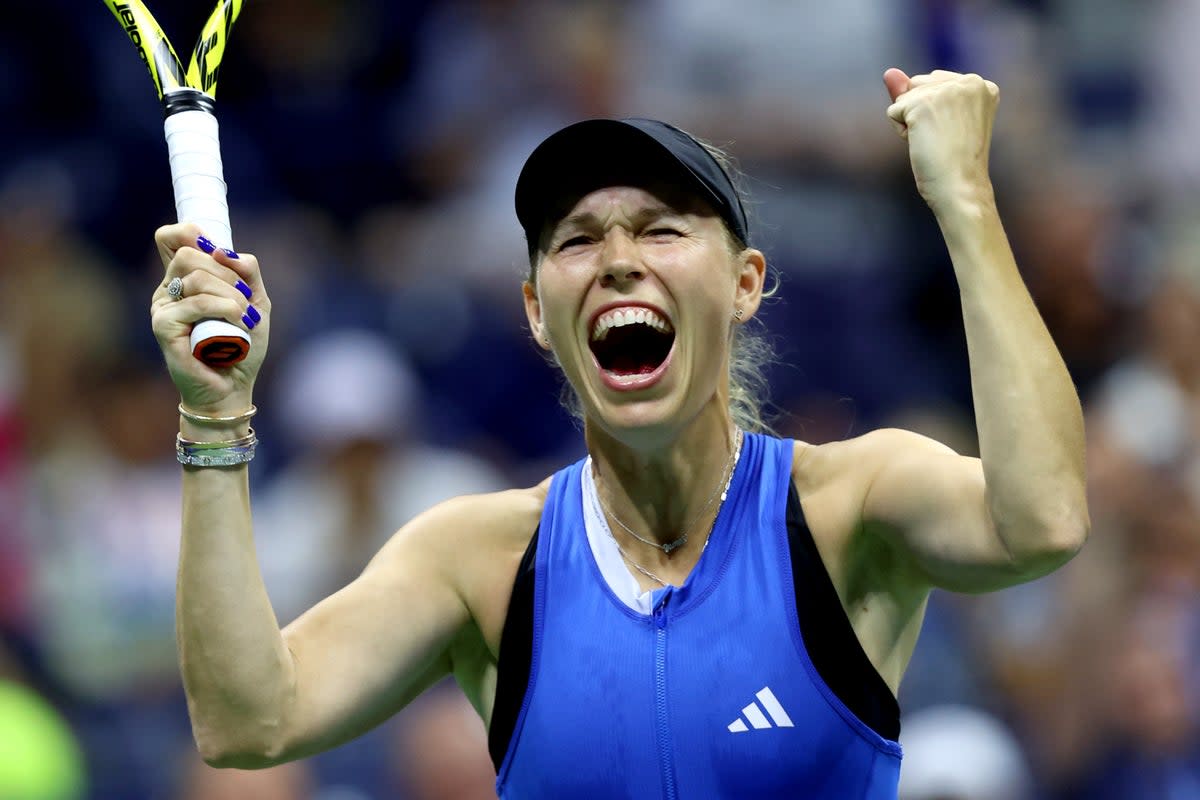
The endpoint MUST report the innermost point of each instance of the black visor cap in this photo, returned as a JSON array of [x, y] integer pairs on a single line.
[[608, 152]]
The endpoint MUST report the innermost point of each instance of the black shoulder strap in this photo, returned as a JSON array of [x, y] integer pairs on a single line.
[[830, 640], [516, 656]]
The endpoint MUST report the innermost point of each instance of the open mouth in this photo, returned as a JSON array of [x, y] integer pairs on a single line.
[[631, 340]]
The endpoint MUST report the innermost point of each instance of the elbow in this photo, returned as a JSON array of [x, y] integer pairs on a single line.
[[1062, 543], [1053, 543], [244, 753]]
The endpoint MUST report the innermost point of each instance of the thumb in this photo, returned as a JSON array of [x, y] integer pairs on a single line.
[[897, 82]]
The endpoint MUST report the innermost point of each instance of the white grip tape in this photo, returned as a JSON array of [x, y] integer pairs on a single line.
[[194, 149]]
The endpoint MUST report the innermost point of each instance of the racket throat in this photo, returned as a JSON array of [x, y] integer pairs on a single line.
[[179, 100]]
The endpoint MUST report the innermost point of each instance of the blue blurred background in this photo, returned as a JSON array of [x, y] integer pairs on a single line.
[[371, 149]]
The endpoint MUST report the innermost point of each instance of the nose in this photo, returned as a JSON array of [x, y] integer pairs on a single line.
[[620, 263]]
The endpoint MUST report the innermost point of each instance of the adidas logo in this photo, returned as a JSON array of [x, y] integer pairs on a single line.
[[755, 715]]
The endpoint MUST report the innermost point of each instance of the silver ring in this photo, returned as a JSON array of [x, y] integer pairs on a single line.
[[175, 288]]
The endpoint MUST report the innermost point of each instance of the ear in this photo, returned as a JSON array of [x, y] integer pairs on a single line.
[[751, 277], [533, 312]]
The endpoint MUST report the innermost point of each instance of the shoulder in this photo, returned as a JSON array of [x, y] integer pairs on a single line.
[[848, 463], [833, 479], [477, 542], [478, 527]]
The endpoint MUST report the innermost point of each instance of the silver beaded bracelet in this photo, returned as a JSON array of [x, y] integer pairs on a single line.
[[216, 454]]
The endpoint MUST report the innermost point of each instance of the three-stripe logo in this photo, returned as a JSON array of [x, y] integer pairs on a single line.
[[754, 714]]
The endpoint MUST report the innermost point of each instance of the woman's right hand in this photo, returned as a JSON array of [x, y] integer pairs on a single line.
[[215, 285]]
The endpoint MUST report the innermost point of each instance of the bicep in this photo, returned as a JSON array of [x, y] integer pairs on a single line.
[[364, 652], [933, 502]]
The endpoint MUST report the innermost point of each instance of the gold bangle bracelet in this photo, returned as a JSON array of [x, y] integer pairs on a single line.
[[200, 419]]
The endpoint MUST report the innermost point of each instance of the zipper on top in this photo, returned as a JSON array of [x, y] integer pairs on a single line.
[[662, 719]]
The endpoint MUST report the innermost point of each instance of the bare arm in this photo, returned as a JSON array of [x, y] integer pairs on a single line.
[[258, 695], [1020, 510], [237, 672]]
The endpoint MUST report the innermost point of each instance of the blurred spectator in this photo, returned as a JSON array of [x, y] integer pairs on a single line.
[[105, 548], [961, 753], [351, 417], [1153, 705], [106, 509], [60, 307], [199, 781], [441, 749], [1149, 403], [13, 563], [1171, 120]]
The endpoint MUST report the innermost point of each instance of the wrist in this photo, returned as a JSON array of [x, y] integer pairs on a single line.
[[215, 426], [962, 198], [225, 453]]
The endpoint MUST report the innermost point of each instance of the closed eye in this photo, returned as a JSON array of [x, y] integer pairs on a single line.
[[574, 241], [663, 232]]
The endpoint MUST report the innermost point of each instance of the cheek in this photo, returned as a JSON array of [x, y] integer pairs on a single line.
[[559, 305]]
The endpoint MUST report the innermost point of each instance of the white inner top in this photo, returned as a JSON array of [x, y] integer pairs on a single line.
[[604, 549]]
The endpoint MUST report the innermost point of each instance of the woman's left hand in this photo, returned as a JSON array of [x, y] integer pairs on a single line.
[[946, 117]]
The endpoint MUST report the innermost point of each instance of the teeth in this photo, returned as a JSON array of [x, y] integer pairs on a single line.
[[629, 316]]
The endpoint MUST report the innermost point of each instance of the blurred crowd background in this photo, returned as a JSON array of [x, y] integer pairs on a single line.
[[371, 150]]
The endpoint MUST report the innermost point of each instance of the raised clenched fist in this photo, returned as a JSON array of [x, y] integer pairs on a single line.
[[946, 117]]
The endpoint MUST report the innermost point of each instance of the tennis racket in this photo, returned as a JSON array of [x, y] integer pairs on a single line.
[[193, 144]]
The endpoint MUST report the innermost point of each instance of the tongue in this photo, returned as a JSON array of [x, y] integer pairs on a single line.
[[628, 365]]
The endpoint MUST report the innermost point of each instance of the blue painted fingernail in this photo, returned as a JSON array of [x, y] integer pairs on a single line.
[[230, 253], [249, 323], [243, 288], [253, 314], [205, 244]]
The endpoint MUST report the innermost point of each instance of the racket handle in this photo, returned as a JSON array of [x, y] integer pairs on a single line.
[[194, 148]]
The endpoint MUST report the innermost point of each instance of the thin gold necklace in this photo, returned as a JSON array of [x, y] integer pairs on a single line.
[[722, 488]]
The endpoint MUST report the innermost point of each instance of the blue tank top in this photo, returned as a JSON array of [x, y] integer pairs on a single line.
[[712, 695]]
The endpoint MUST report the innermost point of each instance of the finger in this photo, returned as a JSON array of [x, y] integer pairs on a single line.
[[169, 238], [201, 282], [175, 318], [246, 267], [189, 259], [897, 82], [896, 116], [198, 272]]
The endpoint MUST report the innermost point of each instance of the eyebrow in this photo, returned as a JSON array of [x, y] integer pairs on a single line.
[[588, 218]]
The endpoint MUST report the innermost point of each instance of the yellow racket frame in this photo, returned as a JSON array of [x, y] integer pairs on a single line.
[[166, 70]]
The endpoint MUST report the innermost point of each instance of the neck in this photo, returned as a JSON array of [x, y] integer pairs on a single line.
[[662, 488]]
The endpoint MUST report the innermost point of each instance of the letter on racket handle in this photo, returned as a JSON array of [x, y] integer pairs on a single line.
[[194, 148]]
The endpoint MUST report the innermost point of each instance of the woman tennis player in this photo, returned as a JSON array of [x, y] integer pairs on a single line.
[[697, 609]]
